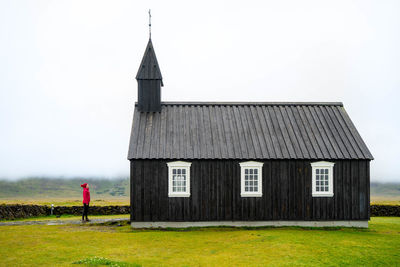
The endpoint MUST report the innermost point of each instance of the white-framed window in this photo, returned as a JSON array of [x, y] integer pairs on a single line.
[[322, 179], [251, 179], [179, 179]]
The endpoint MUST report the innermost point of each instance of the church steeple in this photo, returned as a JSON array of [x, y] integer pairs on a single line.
[[149, 80]]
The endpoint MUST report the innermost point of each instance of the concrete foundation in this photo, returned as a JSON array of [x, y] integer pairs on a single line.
[[358, 224]]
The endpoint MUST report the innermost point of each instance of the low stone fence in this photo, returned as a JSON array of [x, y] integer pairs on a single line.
[[93, 210], [11, 212], [385, 210]]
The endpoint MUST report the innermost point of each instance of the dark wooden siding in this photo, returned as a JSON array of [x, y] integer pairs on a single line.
[[215, 192], [149, 95]]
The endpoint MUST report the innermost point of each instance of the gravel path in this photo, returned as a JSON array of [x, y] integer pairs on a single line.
[[62, 222]]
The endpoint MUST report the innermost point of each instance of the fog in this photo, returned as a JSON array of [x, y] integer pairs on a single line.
[[67, 68]]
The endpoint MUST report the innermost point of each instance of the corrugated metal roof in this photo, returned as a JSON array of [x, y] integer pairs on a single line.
[[246, 131], [149, 68]]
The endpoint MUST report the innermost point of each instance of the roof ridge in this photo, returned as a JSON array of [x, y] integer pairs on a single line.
[[254, 103]]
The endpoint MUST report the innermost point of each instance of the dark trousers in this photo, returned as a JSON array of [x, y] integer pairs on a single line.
[[85, 211]]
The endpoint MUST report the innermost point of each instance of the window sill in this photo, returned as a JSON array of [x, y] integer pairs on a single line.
[[323, 195], [251, 195], [179, 195]]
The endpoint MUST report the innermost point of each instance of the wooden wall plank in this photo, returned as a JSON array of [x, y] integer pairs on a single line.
[[163, 190], [147, 187], [195, 192], [267, 175], [355, 210], [132, 190], [367, 181], [362, 194]]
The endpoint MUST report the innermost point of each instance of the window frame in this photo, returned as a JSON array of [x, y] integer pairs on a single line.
[[322, 165], [179, 165], [250, 165]]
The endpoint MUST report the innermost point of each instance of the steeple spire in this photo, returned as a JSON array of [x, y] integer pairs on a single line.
[[149, 69], [149, 79]]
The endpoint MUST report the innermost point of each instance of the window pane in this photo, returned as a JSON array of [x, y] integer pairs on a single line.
[[183, 171], [246, 171], [326, 189], [255, 183], [255, 171], [173, 171], [246, 189], [317, 171], [317, 188], [251, 171]]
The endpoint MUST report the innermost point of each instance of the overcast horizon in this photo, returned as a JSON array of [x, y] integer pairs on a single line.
[[67, 72]]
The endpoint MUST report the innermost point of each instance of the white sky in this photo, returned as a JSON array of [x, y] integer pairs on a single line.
[[67, 69]]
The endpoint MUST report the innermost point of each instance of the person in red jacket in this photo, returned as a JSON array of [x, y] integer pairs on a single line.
[[86, 201]]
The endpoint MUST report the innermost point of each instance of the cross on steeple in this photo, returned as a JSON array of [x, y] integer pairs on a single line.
[[149, 23]]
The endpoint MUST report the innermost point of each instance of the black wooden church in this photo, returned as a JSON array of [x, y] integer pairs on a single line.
[[243, 163]]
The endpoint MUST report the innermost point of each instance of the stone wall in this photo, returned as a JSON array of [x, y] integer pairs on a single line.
[[385, 210], [10, 212], [94, 210]]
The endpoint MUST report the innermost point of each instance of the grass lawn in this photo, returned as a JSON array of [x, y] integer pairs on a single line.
[[64, 245]]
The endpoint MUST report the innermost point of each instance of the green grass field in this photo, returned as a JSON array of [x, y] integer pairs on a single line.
[[122, 246], [63, 187]]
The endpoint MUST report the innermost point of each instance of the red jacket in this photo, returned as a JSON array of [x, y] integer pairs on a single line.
[[86, 196]]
